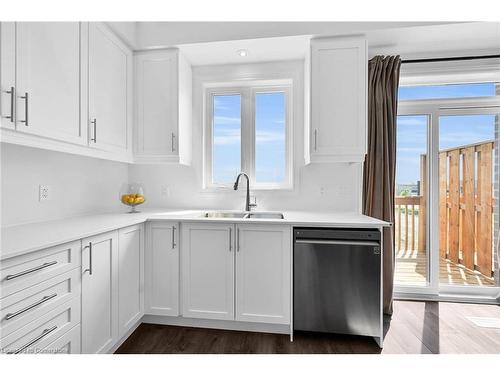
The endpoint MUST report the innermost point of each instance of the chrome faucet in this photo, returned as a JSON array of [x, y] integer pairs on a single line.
[[248, 205]]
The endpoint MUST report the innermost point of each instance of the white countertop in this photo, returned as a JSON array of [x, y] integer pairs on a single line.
[[22, 239]]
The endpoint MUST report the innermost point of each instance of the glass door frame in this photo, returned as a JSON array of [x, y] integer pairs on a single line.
[[433, 290]]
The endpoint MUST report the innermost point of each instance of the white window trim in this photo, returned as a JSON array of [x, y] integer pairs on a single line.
[[247, 91]]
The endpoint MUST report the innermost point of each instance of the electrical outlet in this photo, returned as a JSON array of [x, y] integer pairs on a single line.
[[165, 191], [43, 193]]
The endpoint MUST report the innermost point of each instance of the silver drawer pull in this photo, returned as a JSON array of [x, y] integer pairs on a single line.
[[45, 265], [27, 308], [44, 333]]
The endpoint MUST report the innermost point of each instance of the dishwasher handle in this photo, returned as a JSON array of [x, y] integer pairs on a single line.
[[338, 242]]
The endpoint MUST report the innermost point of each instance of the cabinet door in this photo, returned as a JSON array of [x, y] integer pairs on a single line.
[[99, 293], [48, 80], [130, 277], [208, 271], [263, 281], [109, 85], [157, 105], [162, 269], [8, 74], [338, 99]]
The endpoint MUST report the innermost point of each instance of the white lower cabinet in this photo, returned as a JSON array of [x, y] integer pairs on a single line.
[[130, 277], [207, 270], [162, 269], [236, 272], [99, 292], [263, 284]]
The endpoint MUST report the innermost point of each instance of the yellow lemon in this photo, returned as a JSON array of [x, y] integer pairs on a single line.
[[124, 198]]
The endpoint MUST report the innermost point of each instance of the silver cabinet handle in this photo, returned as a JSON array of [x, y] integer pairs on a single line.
[[315, 139], [44, 333], [27, 308], [230, 239], [94, 122], [11, 92], [173, 142], [173, 238], [89, 246], [37, 268], [25, 97], [238, 240]]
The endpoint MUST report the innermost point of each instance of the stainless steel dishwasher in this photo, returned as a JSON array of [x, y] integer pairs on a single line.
[[337, 281]]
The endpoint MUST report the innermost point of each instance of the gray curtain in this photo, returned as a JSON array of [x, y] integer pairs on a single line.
[[380, 161]]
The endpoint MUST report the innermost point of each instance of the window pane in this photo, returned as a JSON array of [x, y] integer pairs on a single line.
[[410, 201], [270, 146], [466, 90], [226, 158]]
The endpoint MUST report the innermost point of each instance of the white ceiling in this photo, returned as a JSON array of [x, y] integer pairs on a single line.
[[170, 34], [265, 49], [210, 43], [410, 42]]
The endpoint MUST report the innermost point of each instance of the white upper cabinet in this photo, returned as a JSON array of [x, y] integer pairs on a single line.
[[338, 120], [263, 263], [208, 271], [48, 80], [163, 110], [110, 88], [162, 269], [8, 74]]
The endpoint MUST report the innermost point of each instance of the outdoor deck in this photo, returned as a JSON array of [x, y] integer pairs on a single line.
[[411, 269]]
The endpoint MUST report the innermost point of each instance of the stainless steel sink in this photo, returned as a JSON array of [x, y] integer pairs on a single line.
[[222, 214], [243, 215], [264, 215]]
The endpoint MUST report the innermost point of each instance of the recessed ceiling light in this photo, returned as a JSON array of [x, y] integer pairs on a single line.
[[242, 52]]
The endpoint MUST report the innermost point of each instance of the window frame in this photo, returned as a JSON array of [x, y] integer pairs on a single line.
[[247, 92]]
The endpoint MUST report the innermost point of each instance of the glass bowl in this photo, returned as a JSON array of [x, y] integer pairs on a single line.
[[132, 195]]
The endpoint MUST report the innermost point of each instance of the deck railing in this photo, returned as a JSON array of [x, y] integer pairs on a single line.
[[466, 206], [410, 218]]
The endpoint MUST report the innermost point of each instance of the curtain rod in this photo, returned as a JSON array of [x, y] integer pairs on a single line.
[[450, 59]]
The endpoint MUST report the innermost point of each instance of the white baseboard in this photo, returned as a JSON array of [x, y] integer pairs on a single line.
[[125, 337], [217, 324]]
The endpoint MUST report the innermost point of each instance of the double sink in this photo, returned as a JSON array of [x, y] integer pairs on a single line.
[[244, 215]]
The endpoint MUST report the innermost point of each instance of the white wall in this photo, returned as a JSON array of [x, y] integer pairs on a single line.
[[79, 185], [317, 186]]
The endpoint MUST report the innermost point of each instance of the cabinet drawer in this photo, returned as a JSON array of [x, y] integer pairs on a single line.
[[39, 333], [27, 270], [20, 308], [69, 343]]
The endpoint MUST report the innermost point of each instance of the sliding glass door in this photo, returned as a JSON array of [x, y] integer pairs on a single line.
[[447, 197]]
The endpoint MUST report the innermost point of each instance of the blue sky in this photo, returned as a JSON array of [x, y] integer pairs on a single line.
[[226, 138], [269, 133], [453, 130]]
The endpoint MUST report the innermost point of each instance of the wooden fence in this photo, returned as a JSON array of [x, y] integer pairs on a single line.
[[465, 208]]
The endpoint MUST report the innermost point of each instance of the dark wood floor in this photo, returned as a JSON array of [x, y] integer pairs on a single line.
[[416, 327]]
